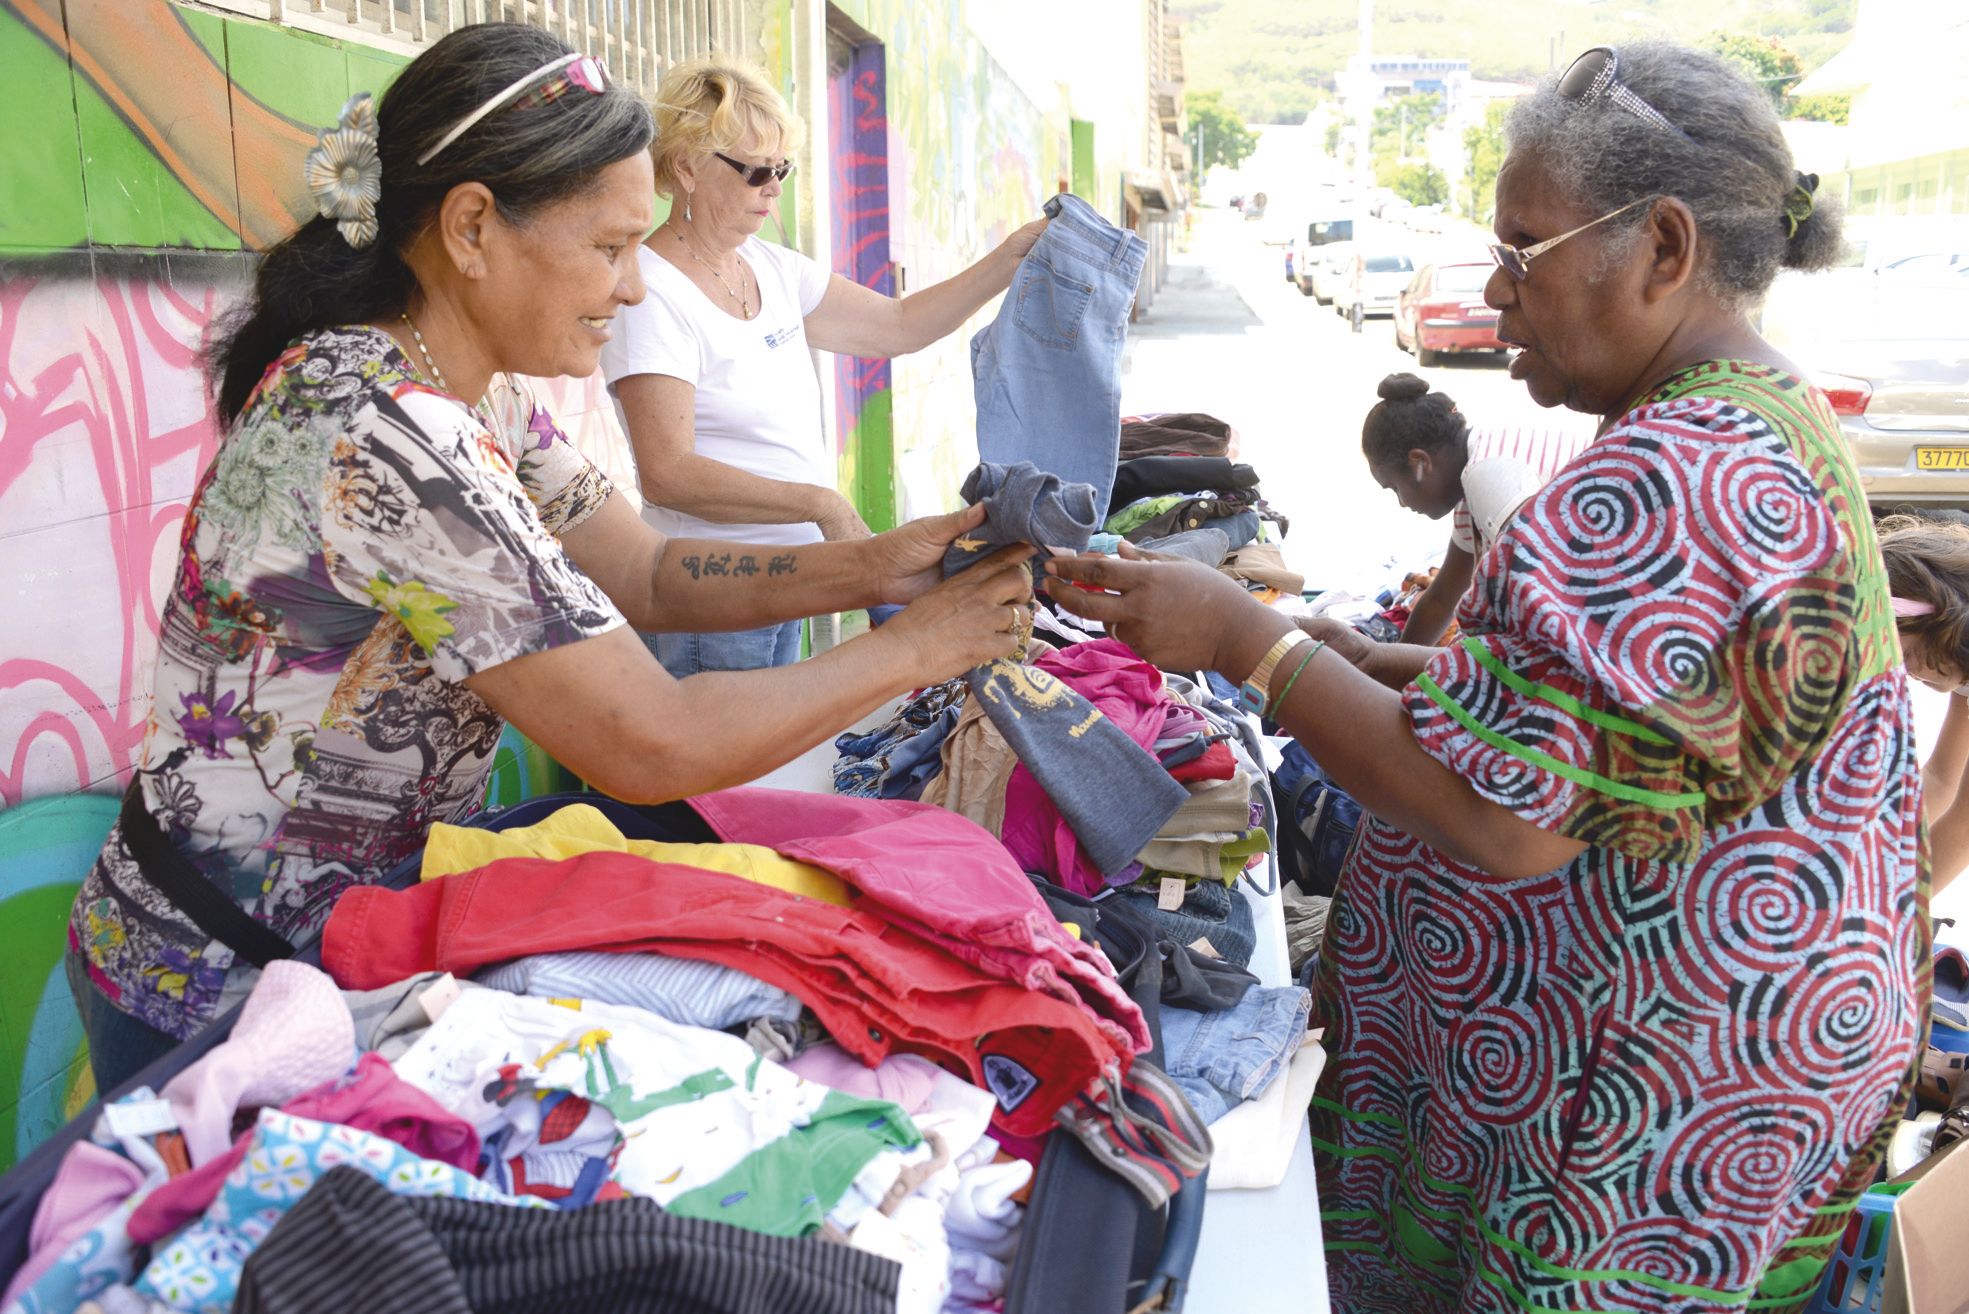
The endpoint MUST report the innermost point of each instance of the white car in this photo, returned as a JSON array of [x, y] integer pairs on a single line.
[[1329, 271], [1375, 282], [1311, 245]]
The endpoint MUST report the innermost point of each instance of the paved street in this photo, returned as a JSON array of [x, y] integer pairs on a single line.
[[1228, 335]]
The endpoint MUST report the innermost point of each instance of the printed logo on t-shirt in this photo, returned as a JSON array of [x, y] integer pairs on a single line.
[[778, 336], [1010, 1082]]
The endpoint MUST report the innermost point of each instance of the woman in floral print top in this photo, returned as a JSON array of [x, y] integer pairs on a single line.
[[376, 575]]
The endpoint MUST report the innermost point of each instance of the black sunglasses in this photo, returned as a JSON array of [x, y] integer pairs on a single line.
[[1595, 76], [755, 175]]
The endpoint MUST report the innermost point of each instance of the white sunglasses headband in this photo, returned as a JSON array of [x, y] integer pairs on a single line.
[[512, 92]]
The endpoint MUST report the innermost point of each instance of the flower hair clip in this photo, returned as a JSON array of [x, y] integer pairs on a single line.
[[345, 172]]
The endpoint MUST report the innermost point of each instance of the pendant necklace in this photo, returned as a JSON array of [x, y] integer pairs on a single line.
[[744, 306]]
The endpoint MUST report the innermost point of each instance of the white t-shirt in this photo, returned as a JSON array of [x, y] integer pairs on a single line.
[[1505, 468], [758, 398]]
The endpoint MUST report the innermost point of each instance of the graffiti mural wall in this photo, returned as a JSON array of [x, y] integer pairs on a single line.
[[149, 151], [970, 157]]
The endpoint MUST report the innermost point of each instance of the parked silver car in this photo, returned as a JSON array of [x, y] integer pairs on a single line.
[[1375, 282], [1889, 344], [1904, 405]]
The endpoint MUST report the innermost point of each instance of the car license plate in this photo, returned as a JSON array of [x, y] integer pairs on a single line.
[[1941, 458]]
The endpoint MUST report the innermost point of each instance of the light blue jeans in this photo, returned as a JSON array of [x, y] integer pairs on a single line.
[[1047, 370], [734, 650], [1220, 1060]]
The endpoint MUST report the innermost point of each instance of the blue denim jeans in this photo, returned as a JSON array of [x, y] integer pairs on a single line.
[[1047, 370], [1219, 1060], [733, 650], [120, 1046]]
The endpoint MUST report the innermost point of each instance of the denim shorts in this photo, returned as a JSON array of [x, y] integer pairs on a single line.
[[734, 650]]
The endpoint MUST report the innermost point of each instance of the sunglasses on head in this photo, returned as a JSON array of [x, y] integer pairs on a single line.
[[755, 175], [1595, 76], [549, 82]]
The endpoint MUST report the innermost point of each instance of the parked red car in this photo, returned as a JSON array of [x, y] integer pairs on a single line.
[[1442, 310]]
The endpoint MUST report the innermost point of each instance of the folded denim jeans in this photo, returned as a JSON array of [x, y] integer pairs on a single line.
[[1047, 370], [898, 758], [1209, 545], [1221, 1059], [1217, 913]]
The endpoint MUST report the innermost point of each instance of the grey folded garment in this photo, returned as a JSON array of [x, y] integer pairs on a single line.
[[1109, 789], [1209, 546]]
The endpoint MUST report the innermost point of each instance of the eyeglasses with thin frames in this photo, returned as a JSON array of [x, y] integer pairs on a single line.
[[755, 175], [1516, 260]]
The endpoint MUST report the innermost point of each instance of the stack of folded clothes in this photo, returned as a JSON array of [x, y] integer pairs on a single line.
[[792, 1068]]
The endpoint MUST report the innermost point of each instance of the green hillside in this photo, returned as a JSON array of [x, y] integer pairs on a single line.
[[1273, 59]]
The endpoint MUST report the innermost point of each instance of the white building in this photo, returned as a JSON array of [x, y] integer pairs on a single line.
[[1906, 149]]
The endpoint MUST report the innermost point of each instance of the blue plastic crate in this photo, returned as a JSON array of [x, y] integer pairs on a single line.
[[1858, 1270]]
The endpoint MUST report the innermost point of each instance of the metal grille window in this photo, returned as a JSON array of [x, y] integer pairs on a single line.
[[637, 39]]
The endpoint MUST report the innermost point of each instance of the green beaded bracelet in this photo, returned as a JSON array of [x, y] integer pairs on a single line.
[[1311, 653]]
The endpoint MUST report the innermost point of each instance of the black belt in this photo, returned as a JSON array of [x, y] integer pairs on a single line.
[[190, 891]]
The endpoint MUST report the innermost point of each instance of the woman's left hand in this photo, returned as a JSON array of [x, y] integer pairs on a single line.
[[908, 560], [1023, 239], [1181, 615]]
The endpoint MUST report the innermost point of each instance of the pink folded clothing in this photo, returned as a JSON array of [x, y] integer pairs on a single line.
[[941, 876], [374, 1099], [89, 1184], [905, 1080], [294, 1034]]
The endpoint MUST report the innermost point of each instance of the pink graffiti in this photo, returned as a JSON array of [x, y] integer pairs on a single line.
[[100, 397], [859, 207]]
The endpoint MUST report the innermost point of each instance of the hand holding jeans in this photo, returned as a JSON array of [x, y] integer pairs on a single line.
[[908, 560], [972, 618]]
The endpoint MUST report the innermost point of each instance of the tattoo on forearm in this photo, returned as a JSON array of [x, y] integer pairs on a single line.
[[723, 563]]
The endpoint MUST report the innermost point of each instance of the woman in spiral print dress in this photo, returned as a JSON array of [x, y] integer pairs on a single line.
[[1626, 978]]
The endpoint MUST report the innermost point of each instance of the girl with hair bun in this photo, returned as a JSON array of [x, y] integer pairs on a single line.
[[395, 551], [1928, 570], [1420, 448]]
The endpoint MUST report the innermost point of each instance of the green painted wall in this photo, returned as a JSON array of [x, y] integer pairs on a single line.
[[1086, 168]]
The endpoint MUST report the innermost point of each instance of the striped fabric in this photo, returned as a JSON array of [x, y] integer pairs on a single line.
[[1543, 453], [352, 1245], [687, 992]]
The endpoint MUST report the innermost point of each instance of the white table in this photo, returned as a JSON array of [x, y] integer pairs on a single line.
[[1261, 1251]]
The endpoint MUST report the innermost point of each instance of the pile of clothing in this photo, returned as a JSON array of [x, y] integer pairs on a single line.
[[802, 1059], [1179, 490]]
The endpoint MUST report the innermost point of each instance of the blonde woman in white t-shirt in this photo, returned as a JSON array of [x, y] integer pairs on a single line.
[[711, 373]]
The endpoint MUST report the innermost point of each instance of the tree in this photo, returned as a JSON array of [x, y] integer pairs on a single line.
[[1418, 184], [1764, 60], [1826, 107], [1225, 140], [1402, 122], [1483, 146]]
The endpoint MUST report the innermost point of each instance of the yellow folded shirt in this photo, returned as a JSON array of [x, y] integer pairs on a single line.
[[581, 828]]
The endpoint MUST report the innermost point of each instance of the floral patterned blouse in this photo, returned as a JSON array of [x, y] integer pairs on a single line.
[[359, 546]]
